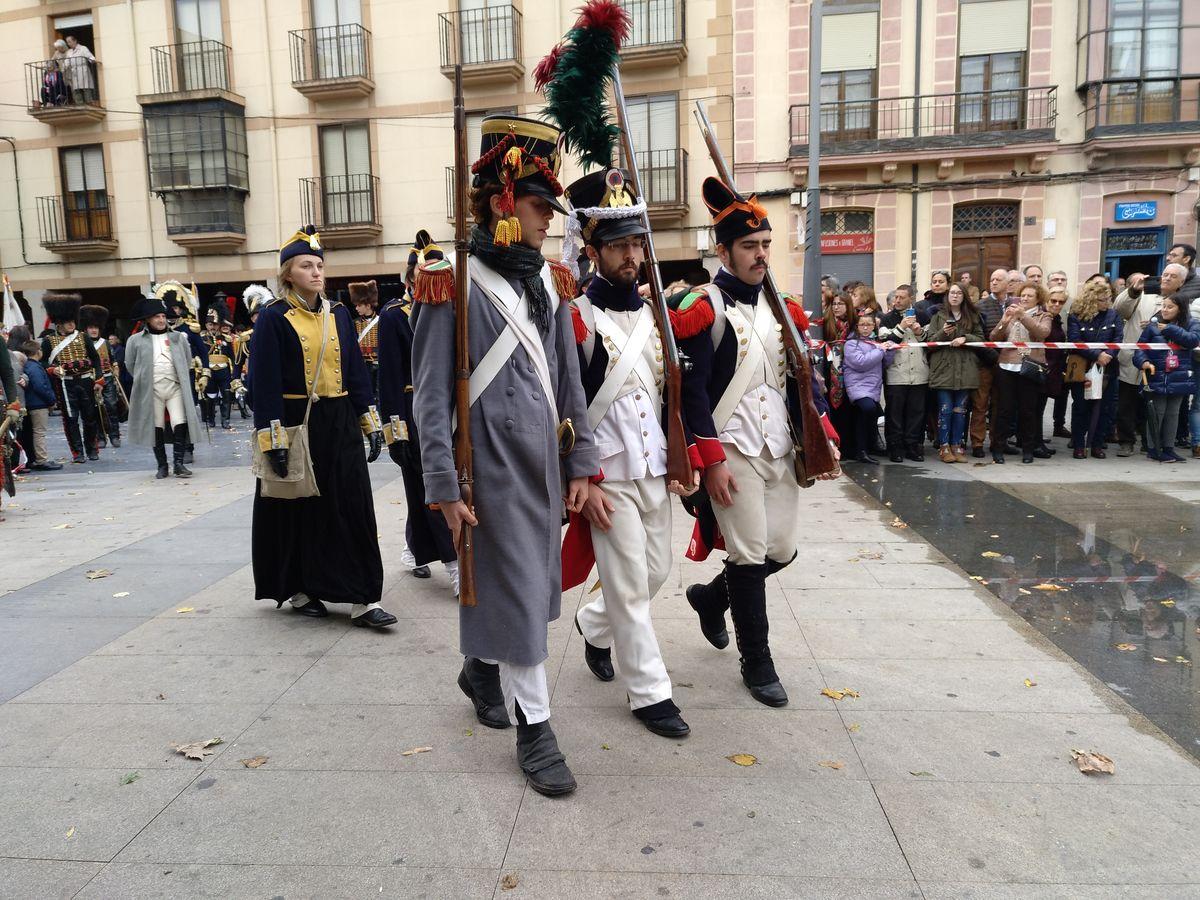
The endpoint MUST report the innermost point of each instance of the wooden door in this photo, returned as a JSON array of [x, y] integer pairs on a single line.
[[981, 255]]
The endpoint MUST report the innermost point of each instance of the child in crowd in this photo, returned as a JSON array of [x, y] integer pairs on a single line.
[[39, 398], [863, 364], [1167, 374]]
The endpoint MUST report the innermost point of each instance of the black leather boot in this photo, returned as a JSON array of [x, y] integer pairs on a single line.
[[748, 607], [541, 760], [710, 602], [481, 683], [178, 450], [598, 659], [160, 453]]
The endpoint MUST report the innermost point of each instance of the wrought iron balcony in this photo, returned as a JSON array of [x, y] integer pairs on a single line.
[[486, 41], [197, 69], [1143, 107], [77, 224], [332, 62], [936, 121], [657, 33], [64, 91], [345, 208]]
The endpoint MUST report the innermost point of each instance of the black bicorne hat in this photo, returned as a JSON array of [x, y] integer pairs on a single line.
[[607, 189], [147, 307], [522, 156], [734, 216]]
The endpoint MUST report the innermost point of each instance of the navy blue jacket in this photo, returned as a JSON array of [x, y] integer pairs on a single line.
[[1106, 327], [39, 393], [195, 343], [712, 369], [395, 366], [279, 366], [1178, 380]]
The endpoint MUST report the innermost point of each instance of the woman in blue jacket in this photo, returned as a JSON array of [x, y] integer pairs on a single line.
[[1167, 373], [1092, 321]]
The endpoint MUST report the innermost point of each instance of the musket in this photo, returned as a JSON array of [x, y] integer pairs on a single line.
[[679, 464], [814, 456], [463, 457]]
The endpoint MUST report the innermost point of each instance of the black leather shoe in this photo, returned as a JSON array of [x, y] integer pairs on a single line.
[[598, 659], [116, 441], [771, 694], [716, 634], [978, 453], [421, 572], [998, 457], [1040, 453], [542, 762], [481, 683], [1061, 431], [864, 457], [314, 609], [93, 455], [1027, 458], [1012, 449], [668, 726], [896, 457], [1098, 453], [374, 618], [915, 455]]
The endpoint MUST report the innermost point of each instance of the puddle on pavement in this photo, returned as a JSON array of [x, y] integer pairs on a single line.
[[1110, 573]]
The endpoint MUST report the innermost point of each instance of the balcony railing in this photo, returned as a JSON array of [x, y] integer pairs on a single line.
[[664, 176], [960, 120], [195, 66], [653, 22], [77, 222], [482, 39], [1143, 106], [345, 206], [327, 60], [63, 89]]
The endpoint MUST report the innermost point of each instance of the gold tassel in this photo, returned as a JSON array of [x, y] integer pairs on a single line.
[[501, 238]]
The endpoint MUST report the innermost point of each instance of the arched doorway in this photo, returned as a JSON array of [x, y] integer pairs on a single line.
[[984, 239]]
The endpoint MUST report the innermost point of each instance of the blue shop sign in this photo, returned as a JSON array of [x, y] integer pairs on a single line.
[[1146, 211]]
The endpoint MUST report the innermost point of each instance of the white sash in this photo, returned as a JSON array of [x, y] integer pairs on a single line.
[[748, 368], [631, 357], [62, 345], [367, 330], [520, 330]]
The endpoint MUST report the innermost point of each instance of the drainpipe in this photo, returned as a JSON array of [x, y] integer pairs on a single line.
[[916, 167], [274, 124], [17, 181]]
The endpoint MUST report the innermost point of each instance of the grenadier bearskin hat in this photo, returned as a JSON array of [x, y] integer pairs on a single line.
[[62, 308], [734, 216], [364, 292], [91, 314]]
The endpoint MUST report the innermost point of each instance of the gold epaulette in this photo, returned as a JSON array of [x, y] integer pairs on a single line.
[[564, 282], [434, 282]]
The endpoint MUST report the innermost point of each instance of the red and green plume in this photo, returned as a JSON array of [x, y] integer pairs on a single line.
[[575, 75]]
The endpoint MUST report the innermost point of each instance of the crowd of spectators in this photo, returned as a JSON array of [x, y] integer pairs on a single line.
[[975, 400]]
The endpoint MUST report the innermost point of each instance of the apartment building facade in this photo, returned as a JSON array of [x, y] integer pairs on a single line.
[[965, 135], [212, 128]]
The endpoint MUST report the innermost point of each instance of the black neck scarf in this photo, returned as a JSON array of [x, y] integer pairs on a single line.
[[520, 262], [606, 295], [736, 288]]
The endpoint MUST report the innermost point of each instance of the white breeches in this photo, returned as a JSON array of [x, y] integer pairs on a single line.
[[763, 522], [168, 399]]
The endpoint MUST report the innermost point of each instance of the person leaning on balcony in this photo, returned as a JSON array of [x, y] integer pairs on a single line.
[[80, 70]]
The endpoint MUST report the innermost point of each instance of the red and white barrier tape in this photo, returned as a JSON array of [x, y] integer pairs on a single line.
[[1022, 345]]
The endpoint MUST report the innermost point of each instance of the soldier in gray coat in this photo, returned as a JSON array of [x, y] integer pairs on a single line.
[[160, 362], [525, 385]]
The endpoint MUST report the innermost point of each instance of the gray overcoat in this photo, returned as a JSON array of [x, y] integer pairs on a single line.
[[139, 361], [519, 477]]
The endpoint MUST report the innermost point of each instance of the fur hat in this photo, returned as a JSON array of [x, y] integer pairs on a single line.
[[364, 292], [93, 315], [62, 307]]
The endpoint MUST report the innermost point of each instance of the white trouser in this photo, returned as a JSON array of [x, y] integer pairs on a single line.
[[762, 524], [168, 398], [633, 559], [526, 686]]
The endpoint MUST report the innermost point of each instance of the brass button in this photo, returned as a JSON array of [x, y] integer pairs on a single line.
[[745, 340]]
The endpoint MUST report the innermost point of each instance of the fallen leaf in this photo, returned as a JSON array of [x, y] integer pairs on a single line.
[[131, 778], [969, 516], [976, 578], [108, 518], [119, 594], [254, 762], [509, 881], [1125, 648], [899, 523], [1183, 660], [415, 750], [186, 609], [831, 764], [605, 747], [1093, 763], [1159, 659], [742, 759], [197, 749], [70, 832], [93, 574], [1029, 683], [838, 694], [1023, 591], [469, 732], [922, 774], [63, 526], [855, 727], [995, 535], [1168, 602], [1045, 586], [990, 554]]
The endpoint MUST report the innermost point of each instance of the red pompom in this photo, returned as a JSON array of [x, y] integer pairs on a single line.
[[581, 329], [544, 71], [799, 316], [605, 15]]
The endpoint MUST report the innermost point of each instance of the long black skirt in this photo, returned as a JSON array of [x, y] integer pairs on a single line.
[[326, 546], [426, 533]]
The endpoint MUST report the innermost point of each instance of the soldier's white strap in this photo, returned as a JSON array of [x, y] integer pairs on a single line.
[[62, 345], [367, 330], [520, 330], [749, 367], [630, 357]]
